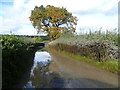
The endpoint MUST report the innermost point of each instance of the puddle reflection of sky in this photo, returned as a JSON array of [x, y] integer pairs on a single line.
[[42, 59]]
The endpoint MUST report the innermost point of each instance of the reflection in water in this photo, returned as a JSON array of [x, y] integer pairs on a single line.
[[41, 59], [40, 76]]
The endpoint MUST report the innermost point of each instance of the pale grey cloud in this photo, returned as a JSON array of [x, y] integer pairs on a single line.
[[111, 12]]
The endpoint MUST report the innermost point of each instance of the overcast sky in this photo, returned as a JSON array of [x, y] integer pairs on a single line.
[[90, 13]]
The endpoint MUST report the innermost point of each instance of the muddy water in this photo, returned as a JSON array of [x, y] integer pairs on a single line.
[[57, 71], [41, 76]]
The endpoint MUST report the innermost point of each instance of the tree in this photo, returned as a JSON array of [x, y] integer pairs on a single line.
[[53, 20]]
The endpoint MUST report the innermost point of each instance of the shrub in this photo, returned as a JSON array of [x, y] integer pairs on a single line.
[[98, 46]]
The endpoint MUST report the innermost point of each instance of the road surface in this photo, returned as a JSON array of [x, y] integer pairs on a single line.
[[76, 74]]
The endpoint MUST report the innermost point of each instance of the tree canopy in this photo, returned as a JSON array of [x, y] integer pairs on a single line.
[[53, 20]]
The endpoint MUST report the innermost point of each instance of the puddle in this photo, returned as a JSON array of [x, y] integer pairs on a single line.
[[40, 76], [39, 69], [41, 59]]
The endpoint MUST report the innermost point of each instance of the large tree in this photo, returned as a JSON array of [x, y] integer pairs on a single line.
[[53, 20]]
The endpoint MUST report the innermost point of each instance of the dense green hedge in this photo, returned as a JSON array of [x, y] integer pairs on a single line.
[[15, 58]]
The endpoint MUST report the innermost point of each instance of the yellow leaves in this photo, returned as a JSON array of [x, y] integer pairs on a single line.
[[55, 33], [50, 18], [58, 35]]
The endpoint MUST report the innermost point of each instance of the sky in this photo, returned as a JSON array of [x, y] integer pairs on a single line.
[[91, 14]]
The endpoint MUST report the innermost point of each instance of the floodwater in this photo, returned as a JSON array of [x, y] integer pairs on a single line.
[[56, 71], [39, 70], [41, 76]]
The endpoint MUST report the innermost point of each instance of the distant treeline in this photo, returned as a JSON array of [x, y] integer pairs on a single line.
[[32, 36]]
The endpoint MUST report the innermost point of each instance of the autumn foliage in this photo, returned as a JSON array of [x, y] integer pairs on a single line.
[[53, 20]]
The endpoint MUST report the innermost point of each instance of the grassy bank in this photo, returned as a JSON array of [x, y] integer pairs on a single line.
[[16, 53], [98, 49]]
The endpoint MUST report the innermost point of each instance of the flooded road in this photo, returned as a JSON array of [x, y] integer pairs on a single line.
[[41, 76], [53, 70]]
